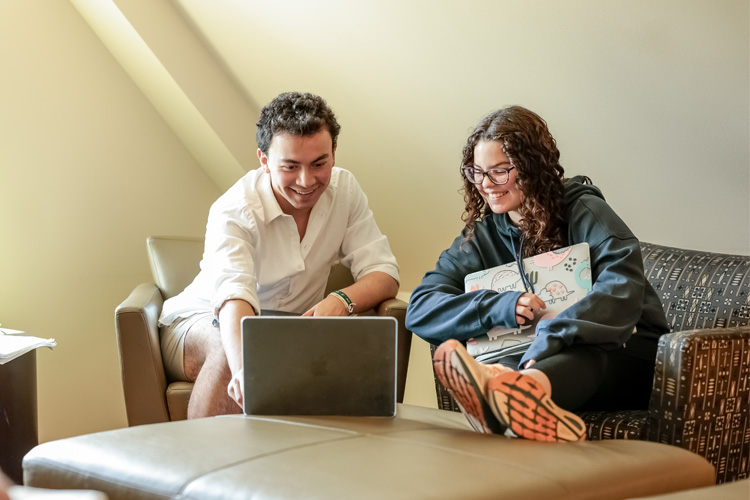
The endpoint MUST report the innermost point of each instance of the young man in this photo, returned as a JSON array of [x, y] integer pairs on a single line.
[[270, 242]]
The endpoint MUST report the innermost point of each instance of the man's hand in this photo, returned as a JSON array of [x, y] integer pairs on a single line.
[[330, 306], [236, 387], [230, 318], [368, 292], [5, 484]]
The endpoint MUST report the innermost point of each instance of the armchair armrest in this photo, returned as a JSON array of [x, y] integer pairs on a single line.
[[143, 379], [701, 395], [392, 307], [396, 308]]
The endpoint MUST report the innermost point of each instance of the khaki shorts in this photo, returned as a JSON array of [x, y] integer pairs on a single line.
[[172, 340]]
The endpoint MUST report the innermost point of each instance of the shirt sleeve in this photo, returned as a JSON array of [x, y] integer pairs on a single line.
[[364, 248], [439, 309], [607, 315], [229, 259]]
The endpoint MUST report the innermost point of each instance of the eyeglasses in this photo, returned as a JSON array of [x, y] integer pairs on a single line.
[[496, 175]]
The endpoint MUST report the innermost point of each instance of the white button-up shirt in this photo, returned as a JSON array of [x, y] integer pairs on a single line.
[[253, 251]]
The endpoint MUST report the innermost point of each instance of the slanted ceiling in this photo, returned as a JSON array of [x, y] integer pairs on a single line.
[[161, 51]]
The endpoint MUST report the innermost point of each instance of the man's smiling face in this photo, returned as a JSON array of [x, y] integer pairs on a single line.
[[300, 169]]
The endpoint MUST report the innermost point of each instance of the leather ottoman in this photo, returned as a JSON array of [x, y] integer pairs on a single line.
[[737, 490], [421, 453]]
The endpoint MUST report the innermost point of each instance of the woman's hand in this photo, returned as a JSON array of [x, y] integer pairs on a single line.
[[526, 305]]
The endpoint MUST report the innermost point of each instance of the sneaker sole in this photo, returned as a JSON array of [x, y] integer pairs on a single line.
[[456, 376], [520, 403]]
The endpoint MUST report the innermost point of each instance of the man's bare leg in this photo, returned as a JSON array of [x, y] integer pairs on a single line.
[[206, 365]]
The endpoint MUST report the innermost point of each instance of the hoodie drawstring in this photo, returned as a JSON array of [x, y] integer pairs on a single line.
[[528, 286]]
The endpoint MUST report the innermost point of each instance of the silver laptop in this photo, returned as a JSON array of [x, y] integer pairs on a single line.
[[319, 365]]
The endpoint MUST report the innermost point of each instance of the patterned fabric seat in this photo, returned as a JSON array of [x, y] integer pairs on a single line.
[[701, 395]]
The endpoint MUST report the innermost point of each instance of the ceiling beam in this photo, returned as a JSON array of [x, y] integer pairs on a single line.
[[183, 79]]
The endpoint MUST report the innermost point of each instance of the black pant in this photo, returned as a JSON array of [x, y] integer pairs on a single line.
[[589, 378]]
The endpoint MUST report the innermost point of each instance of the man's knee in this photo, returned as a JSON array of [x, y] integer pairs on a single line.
[[203, 347]]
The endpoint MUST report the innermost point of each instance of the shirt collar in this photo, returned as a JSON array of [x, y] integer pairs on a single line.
[[271, 207]]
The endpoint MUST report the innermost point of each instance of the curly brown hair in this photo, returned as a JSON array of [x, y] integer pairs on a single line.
[[297, 114], [533, 152]]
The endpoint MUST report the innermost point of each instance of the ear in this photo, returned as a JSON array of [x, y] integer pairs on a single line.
[[263, 161]]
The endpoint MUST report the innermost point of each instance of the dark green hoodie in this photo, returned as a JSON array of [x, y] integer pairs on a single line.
[[621, 298]]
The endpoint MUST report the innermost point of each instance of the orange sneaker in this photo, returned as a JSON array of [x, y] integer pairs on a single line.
[[520, 404], [466, 380]]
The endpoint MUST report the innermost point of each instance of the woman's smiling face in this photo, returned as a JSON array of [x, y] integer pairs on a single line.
[[502, 198]]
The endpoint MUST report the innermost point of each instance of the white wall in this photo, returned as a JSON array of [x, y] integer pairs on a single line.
[[88, 169], [649, 98]]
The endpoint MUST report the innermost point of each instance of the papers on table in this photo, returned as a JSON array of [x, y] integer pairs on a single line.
[[13, 344]]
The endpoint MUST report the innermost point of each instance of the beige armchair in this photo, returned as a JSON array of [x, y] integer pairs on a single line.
[[149, 396]]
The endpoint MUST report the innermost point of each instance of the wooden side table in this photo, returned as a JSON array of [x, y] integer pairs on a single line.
[[18, 413]]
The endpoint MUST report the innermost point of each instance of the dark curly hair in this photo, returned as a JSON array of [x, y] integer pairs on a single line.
[[297, 114], [532, 150]]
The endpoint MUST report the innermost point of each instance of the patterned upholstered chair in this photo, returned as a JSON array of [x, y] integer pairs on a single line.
[[701, 395]]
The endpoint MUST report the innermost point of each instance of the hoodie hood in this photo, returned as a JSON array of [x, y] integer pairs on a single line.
[[575, 189]]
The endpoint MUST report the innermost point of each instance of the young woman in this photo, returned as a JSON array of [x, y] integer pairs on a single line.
[[598, 353]]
